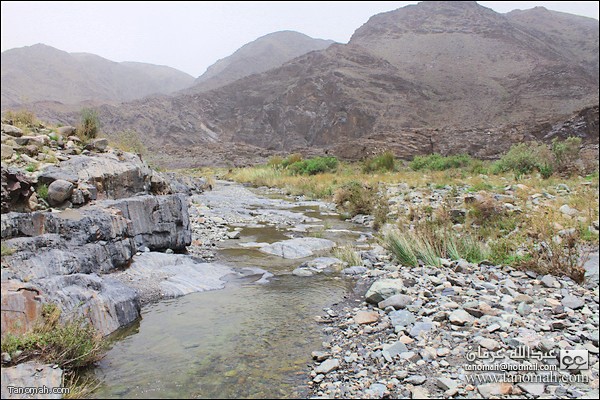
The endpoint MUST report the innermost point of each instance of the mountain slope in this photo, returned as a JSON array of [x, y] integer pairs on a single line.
[[43, 73], [265, 53], [437, 76]]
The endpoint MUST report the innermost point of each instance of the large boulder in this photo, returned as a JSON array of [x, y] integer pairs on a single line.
[[297, 248], [21, 306], [11, 130], [31, 374], [16, 189], [59, 191]]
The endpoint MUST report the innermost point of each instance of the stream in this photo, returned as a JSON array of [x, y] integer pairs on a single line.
[[252, 339]]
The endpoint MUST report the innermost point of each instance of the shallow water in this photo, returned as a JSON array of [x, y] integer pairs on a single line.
[[248, 340]]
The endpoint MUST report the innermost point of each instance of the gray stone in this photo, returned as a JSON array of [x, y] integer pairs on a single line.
[[31, 374], [397, 301], [550, 282], [419, 392], [534, 389], [7, 151], [416, 379], [395, 348], [355, 270], [489, 344], [59, 191], [375, 391], [488, 390], [446, 383], [11, 130], [382, 289], [572, 302], [234, 234], [319, 355], [297, 248], [302, 272], [402, 318], [329, 264], [327, 366], [98, 144], [565, 209], [421, 327], [460, 317]]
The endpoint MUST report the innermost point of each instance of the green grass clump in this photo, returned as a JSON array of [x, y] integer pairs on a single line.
[[355, 198], [42, 191], [380, 163], [129, 141], [347, 254], [71, 345], [437, 162], [31, 167], [22, 118], [6, 250], [314, 166], [89, 125]]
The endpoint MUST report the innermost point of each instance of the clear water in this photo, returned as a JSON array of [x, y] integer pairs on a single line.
[[248, 340]]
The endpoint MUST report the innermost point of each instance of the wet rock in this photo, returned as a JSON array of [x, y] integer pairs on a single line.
[[303, 272], [329, 264], [320, 355], [297, 248], [382, 289]]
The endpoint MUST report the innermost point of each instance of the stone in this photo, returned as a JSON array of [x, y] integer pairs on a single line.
[[320, 355], [395, 348], [303, 272], [6, 151], [31, 374], [416, 379], [21, 306], [421, 327], [534, 389], [329, 264], [419, 392], [66, 130], [366, 317], [443, 352], [490, 344], [355, 270], [446, 383], [550, 282], [488, 390], [98, 144], [402, 318], [59, 191], [297, 248], [375, 391], [397, 301], [460, 317], [382, 289], [234, 234], [565, 209], [327, 366], [572, 302], [11, 130]]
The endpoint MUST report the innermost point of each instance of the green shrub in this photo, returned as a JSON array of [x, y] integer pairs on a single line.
[[129, 141], [31, 167], [71, 344], [42, 191], [355, 198], [314, 166], [89, 126], [526, 158], [437, 162], [566, 154], [383, 162], [291, 159]]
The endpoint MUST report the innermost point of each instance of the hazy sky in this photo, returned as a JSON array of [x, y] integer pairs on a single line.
[[191, 36]]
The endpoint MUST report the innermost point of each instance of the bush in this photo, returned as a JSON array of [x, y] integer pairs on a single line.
[[566, 154], [383, 162], [129, 141], [71, 345], [275, 162], [42, 191], [355, 198], [89, 126], [291, 159], [314, 166], [437, 162], [21, 118], [348, 254]]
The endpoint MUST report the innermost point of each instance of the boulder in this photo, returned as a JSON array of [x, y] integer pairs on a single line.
[[66, 131], [382, 289], [397, 301], [21, 306], [59, 191], [11, 130], [98, 144], [16, 189]]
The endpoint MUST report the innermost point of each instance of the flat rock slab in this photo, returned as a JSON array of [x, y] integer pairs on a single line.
[[591, 269], [297, 248], [366, 317], [31, 374]]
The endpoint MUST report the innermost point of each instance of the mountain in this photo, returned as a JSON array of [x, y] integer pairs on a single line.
[[265, 53], [436, 76], [43, 73]]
